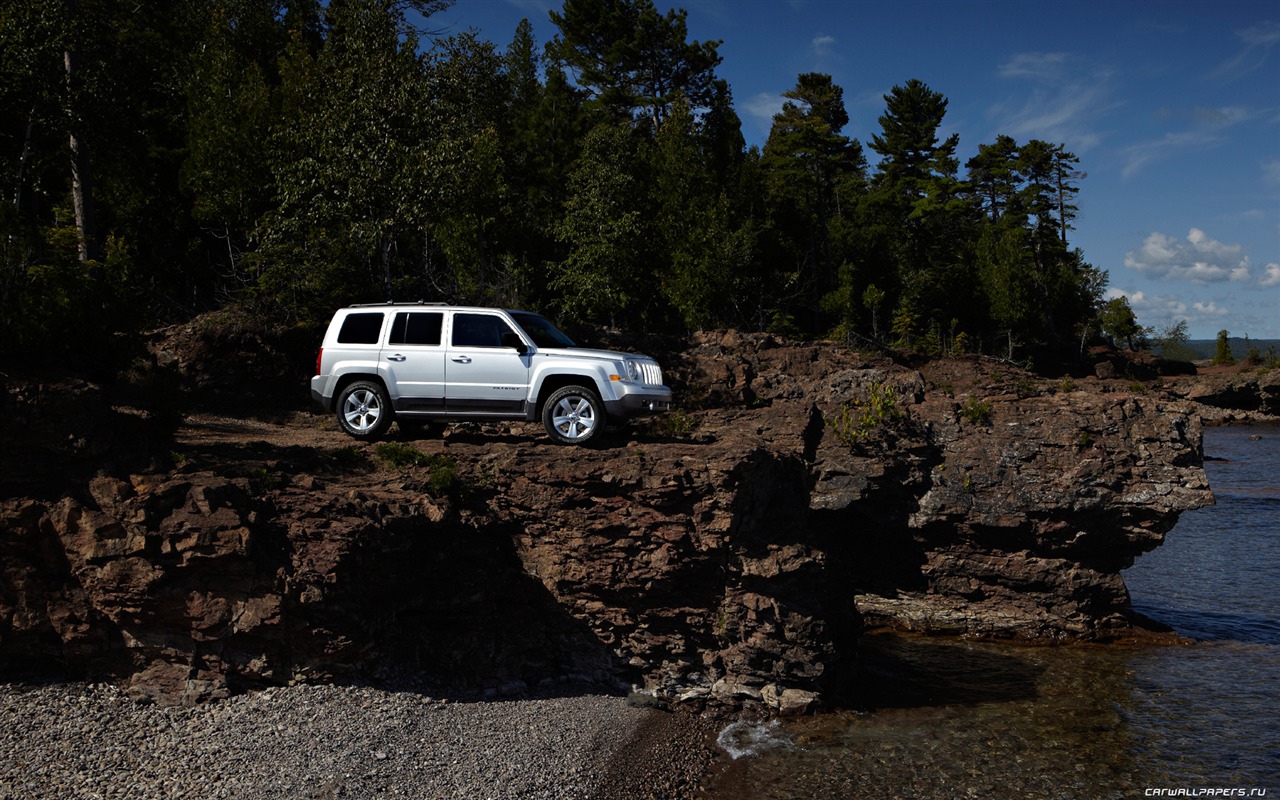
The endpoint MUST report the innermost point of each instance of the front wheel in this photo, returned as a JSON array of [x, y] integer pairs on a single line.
[[573, 415], [363, 410]]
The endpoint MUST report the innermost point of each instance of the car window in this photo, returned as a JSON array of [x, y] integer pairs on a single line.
[[543, 333], [416, 327], [361, 328], [478, 330]]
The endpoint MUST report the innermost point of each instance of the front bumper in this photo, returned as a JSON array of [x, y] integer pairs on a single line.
[[638, 400]]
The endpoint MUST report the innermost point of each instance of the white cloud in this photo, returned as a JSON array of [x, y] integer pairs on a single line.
[[1271, 171], [1139, 155], [822, 45], [1148, 306], [1198, 259], [825, 54], [1165, 310], [1257, 43], [1066, 100], [1034, 65], [764, 106], [1206, 133], [1209, 309], [1272, 278], [1223, 117]]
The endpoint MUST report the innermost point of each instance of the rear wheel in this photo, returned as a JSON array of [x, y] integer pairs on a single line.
[[573, 415], [363, 410]]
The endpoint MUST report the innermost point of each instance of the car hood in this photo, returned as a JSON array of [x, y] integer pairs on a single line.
[[583, 352]]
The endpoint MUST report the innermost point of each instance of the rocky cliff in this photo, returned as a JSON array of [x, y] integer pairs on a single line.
[[729, 553]]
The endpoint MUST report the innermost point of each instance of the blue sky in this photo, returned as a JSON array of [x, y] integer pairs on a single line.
[[1172, 107]]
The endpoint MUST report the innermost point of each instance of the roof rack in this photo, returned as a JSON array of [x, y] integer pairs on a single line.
[[393, 303]]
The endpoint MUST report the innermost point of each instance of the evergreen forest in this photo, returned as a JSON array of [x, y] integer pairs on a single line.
[[164, 158]]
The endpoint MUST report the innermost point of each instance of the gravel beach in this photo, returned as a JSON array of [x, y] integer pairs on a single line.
[[76, 740]]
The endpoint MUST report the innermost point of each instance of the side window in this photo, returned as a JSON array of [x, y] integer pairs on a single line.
[[413, 327], [360, 328], [478, 330]]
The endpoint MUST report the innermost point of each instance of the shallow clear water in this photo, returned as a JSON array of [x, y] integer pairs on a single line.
[[986, 720]]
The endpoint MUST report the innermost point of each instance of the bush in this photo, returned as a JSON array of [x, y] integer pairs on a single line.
[[854, 423], [442, 471], [677, 423], [976, 411]]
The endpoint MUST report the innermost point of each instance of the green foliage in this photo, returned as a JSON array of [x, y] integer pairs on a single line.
[[1119, 323], [1027, 387], [812, 173], [1171, 342], [632, 59], [348, 457], [606, 231], [677, 423], [442, 471], [352, 164], [296, 156], [976, 411], [853, 424], [264, 480], [1252, 355], [701, 245]]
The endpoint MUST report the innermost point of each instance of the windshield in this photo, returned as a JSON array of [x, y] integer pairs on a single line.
[[543, 333]]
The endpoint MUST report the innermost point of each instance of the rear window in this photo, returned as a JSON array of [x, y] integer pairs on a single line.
[[360, 328], [413, 327]]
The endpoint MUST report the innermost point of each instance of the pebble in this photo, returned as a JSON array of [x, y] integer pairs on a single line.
[[90, 740]]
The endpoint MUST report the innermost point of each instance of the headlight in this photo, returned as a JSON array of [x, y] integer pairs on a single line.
[[633, 370]]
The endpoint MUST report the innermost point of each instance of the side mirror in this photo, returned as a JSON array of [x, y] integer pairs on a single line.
[[514, 341]]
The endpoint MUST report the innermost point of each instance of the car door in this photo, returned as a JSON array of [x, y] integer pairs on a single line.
[[485, 375], [413, 359]]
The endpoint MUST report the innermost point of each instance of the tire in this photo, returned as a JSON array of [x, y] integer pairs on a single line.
[[363, 410], [573, 415]]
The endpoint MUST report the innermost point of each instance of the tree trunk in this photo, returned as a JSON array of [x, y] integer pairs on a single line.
[[384, 261], [22, 160], [81, 172]]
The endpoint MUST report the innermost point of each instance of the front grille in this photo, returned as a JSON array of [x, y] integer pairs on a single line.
[[651, 373]]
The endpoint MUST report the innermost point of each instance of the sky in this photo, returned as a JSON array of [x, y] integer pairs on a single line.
[[1173, 109]]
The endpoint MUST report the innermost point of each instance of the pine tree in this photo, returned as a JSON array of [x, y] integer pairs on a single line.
[[633, 60], [924, 225], [993, 176], [1222, 354], [813, 175]]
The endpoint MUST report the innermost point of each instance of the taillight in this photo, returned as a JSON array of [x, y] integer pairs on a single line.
[[319, 357]]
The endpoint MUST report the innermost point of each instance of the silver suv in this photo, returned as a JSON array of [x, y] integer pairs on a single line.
[[426, 363]]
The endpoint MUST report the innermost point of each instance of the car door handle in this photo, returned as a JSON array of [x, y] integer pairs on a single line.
[[463, 359], [396, 357]]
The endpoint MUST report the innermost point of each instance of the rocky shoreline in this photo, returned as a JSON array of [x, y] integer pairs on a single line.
[[91, 740], [727, 555]]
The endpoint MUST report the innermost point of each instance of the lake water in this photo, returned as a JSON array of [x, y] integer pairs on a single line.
[[983, 720]]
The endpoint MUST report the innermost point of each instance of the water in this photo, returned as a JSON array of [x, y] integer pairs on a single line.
[[962, 719]]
